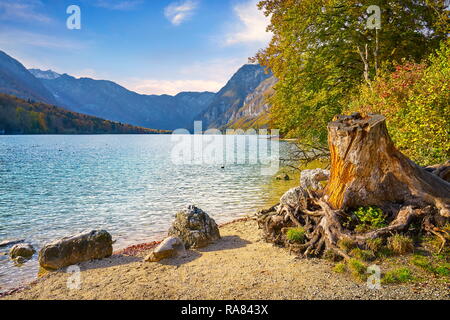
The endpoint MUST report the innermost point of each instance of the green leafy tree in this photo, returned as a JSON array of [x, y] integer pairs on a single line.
[[317, 49]]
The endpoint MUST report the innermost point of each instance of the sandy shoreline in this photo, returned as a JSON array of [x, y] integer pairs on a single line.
[[239, 266]]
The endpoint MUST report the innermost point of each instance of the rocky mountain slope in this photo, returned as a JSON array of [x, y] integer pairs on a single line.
[[230, 99], [254, 112], [15, 79]]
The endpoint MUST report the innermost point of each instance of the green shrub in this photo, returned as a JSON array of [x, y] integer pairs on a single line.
[[443, 269], [346, 245], [369, 218], [374, 244], [400, 244], [296, 234], [340, 267], [358, 269], [365, 255], [399, 275]]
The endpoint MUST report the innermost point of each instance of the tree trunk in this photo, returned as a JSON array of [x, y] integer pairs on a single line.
[[367, 169]]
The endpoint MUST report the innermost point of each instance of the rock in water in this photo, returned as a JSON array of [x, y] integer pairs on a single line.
[[194, 227], [310, 179], [6, 243], [22, 250], [170, 247], [75, 249], [283, 177]]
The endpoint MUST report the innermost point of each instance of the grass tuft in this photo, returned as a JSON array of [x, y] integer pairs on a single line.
[[365, 255], [296, 234], [443, 270], [340, 267], [399, 275], [400, 244], [357, 269], [374, 244]]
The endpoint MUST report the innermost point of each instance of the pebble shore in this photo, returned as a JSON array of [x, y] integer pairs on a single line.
[[238, 266]]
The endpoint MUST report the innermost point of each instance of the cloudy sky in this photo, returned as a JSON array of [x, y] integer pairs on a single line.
[[149, 46]]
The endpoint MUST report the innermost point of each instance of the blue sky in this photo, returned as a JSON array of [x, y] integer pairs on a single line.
[[149, 46]]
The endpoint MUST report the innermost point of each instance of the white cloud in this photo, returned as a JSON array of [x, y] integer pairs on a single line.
[[179, 12], [209, 75], [172, 87], [218, 70], [122, 5], [23, 11], [250, 26], [13, 37]]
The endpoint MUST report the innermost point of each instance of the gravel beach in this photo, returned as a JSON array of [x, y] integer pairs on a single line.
[[238, 266]]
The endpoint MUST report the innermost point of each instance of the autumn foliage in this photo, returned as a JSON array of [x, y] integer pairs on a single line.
[[415, 99], [18, 116]]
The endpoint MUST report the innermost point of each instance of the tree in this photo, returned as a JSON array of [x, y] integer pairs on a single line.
[[415, 99], [314, 54]]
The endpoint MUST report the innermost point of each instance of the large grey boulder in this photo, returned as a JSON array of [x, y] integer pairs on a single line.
[[194, 227], [310, 179], [22, 250], [74, 249], [170, 247]]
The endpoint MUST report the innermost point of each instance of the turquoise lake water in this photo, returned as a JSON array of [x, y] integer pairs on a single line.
[[129, 185]]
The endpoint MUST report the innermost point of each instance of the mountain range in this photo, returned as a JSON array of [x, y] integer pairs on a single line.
[[242, 98]]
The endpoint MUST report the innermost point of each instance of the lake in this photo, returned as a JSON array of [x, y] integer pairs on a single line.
[[56, 185]]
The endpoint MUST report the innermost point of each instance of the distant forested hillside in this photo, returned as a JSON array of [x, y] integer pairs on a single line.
[[18, 116]]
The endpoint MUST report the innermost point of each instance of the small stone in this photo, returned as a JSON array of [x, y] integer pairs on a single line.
[[20, 260], [283, 177], [24, 250], [170, 247]]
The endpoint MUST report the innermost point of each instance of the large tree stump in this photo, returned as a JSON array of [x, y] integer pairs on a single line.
[[367, 169]]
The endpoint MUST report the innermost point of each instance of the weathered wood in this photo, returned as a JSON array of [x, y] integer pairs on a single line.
[[367, 169]]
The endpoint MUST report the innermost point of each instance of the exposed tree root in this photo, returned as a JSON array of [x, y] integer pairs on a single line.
[[324, 225], [366, 170]]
